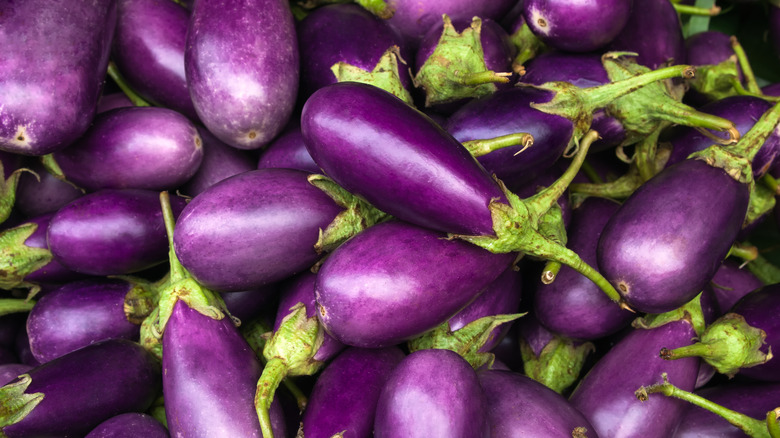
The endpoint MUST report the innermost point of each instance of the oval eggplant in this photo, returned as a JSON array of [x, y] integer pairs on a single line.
[[220, 161], [129, 425], [731, 283], [288, 151], [657, 18]]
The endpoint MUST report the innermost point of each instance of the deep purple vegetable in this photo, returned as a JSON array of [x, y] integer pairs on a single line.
[[388, 284], [241, 64], [572, 305], [23, 349], [583, 26], [110, 232], [346, 393], [346, 33], [138, 148], [149, 51], [717, 67], [708, 48], [43, 108], [220, 161], [659, 19], [114, 100], [519, 406], [11, 371], [39, 197], [730, 283], [605, 396], [71, 395], [288, 151], [432, 394], [256, 228], [82, 313], [250, 304], [129, 425]]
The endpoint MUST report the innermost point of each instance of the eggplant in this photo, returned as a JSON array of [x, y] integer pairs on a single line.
[[45, 194], [580, 27], [519, 406], [346, 393], [731, 283], [10, 371], [220, 161], [138, 148], [241, 64], [261, 227], [110, 232], [432, 394], [657, 18], [388, 284], [71, 395], [110, 101], [249, 304], [129, 425], [149, 51], [54, 66], [288, 151]]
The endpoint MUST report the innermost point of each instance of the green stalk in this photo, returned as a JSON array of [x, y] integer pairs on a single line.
[[273, 374], [742, 251], [478, 148], [550, 272], [137, 100], [693, 10], [747, 70], [15, 305], [771, 423]]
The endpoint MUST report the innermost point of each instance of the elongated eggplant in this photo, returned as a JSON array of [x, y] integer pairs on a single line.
[[432, 394], [43, 108], [346, 393], [110, 232], [519, 406], [657, 18], [288, 151], [241, 64], [388, 284], [730, 283], [129, 425], [137, 148], [71, 395]]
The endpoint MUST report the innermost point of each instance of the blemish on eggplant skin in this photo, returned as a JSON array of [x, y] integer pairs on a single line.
[[541, 22], [252, 135], [623, 287]]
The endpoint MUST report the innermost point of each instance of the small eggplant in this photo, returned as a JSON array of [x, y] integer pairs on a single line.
[[657, 18], [731, 283], [130, 425], [288, 151], [220, 161], [45, 194]]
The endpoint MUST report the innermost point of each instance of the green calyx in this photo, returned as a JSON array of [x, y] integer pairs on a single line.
[[559, 363], [734, 165], [18, 260], [528, 45], [690, 311], [648, 107], [140, 300], [751, 426], [385, 74], [8, 191], [750, 143], [728, 344], [467, 341], [717, 81], [356, 217], [764, 269], [15, 404], [456, 69], [762, 201]]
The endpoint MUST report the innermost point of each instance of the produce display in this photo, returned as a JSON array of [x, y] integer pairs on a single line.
[[390, 218]]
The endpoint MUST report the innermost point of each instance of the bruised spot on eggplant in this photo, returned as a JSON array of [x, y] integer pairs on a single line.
[[541, 22], [623, 287], [20, 138], [579, 432], [198, 142], [323, 312], [252, 135]]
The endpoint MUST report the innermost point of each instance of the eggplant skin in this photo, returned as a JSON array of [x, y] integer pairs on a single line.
[[88, 386], [55, 55]]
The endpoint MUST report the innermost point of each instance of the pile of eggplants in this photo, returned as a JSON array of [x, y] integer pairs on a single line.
[[390, 218]]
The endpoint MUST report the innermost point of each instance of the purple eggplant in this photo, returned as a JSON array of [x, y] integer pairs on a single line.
[[731, 283], [346, 393], [114, 100], [605, 396], [129, 425], [572, 305], [44, 194], [519, 406], [220, 161], [110, 232], [149, 51], [259, 227], [717, 68], [249, 304], [657, 18], [583, 26], [71, 395], [388, 284], [432, 394], [241, 64], [288, 151], [54, 65], [348, 34], [82, 313], [10, 371], [138, 148]]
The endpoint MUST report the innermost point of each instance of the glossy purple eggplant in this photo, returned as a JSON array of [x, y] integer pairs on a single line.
[[110, 232], [137, 148], [55, 60], [344, 33], [572, 305], [149, 51], [250, 304], [388, 284], [37, 197], [583, 26], [241, 64], [220, 161], [254, 228], [658, 249], [432, 394], [130, 425], [82, 313], [730, 283], [605, 396], [288, 151], [518, 406], [71, 395], [659, 19], [346, 393]]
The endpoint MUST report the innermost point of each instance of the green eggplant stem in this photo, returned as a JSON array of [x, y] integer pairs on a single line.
[[764, 270], [485, 77], [550, 271], [274, 372], [741, 90], [478, 148], [745, 252], [591, 173], [137, 100], [744, 64], [693, 10], [300, 398], [751, 426], [15, 305], [770, 182], [177, 270], [377, 7], [754, 139], [699, 23], [694, 350], [771, 423]]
